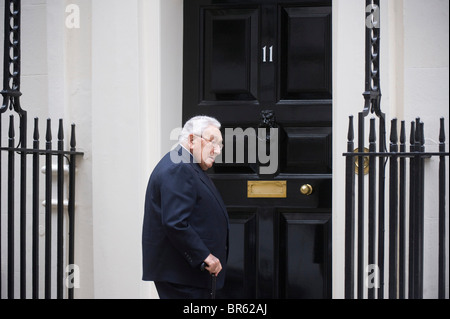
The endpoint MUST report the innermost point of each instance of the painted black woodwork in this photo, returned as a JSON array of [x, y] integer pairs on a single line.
[[240, 59]]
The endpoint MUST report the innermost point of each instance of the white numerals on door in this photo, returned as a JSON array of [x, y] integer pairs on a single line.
[[270, 54]]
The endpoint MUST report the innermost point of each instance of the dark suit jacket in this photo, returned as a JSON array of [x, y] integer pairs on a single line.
[[185, 220]]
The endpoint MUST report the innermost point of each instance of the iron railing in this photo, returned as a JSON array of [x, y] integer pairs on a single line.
[[17, 206], [405, 215], [365, 262]]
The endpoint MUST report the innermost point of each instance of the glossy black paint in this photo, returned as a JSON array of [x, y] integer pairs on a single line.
[[242, 58]]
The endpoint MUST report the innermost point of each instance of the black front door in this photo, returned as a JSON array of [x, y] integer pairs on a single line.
[[263, 69]]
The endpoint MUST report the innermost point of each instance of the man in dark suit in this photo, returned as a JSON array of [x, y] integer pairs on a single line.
[[185, 219]]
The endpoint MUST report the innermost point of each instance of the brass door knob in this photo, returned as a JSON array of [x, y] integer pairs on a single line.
[[306, 189]]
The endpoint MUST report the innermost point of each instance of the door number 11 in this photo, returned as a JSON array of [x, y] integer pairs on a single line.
[[265, 54]]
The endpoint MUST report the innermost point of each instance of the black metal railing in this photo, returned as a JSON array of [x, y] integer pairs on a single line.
[[404, 216], [18, 240], [366, 241]]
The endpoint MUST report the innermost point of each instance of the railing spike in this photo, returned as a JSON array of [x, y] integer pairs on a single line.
[[417, 135], [412, 133], [394, 135], [402, 133], [351, 134], [60, 130], [36, 129], [48, 135], [72, 139], [442, 131], [422, 134]]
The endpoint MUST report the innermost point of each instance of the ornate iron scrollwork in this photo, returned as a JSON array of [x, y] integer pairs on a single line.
[[372, 94], [11, 65]]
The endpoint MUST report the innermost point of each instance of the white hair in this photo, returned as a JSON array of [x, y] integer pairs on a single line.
[[196, 126]]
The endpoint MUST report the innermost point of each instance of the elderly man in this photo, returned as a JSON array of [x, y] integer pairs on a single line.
[[185, 221]]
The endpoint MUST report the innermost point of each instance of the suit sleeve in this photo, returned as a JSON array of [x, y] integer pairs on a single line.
[[178, 200]]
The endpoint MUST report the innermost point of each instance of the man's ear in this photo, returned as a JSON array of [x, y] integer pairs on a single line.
[[191, 140]]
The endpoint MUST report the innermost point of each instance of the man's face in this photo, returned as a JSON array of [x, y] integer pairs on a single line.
[[205, 148]]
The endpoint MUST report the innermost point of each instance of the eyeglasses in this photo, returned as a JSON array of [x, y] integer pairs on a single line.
[[213, 142]]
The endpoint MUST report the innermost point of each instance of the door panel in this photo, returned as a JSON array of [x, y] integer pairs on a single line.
[[279, 247], [306, 51], [305, 257], [242, 58], [308, 149], [241, 277], [230, 75]]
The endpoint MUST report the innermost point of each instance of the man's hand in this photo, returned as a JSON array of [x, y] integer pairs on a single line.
[[213, 264]]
